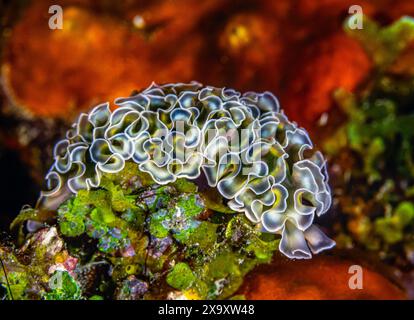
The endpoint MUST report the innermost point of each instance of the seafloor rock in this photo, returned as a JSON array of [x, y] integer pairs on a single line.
[[325, 277]]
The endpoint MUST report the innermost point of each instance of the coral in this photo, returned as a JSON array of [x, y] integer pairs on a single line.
[[302, 280], [87, 54], [335, 61], [220, 43], [244, 145]]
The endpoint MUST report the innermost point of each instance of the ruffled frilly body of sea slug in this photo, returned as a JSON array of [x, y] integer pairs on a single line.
[[243, 145]]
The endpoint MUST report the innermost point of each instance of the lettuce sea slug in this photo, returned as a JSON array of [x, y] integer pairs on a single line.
[[241, 144]]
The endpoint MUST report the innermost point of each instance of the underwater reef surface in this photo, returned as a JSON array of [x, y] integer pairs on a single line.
[[373, 208], [162, 242], [120, 218]]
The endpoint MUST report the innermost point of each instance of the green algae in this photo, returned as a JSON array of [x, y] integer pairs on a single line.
[[156, 240], [380, 139], [375, 149], [18, 282], [181, 276], [221, 257], [18, 276], [392, 229], [384, 44], [205, 237]]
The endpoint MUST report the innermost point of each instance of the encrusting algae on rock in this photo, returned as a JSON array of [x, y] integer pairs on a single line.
[[141, 210], [151, 243]]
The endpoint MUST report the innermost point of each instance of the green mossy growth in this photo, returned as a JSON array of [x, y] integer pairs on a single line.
[[185, 186], [374, 148], [179, 219], [181, 276], [384, 44], [140, 232], [391, 229], [205, 237], [18, 283]]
